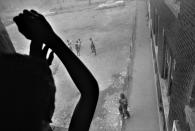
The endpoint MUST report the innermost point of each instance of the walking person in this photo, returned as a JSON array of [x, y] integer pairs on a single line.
[[77, 48], [123, 106], [69, 45], [80, 45], [93, 49]]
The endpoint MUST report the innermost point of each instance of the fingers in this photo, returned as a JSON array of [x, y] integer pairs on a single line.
[[33, 26], [36, 13], [26, 12], [21, 24], [44, 51], [32, 14], [24, 22], [50, 59], [44, 55], [18, 19], [27, 15]]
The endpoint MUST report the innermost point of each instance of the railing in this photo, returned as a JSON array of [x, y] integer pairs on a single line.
[[176, 126]]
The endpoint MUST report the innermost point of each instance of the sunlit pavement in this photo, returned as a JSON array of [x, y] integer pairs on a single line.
[[143, 97]]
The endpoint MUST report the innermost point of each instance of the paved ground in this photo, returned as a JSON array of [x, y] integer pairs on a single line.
[[143, 99]]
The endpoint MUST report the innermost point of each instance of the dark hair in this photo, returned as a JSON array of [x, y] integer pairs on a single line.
[[122, 95], [27, 92]]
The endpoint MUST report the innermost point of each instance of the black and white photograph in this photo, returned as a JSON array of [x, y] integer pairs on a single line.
[[97, 65]]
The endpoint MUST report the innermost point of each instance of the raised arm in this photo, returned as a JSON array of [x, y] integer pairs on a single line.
[[35, 27], [85, 82]]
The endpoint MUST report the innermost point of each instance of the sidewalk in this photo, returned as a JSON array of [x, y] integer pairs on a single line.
[[143, 96]]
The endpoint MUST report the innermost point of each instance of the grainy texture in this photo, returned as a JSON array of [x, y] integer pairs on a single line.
[[179, 41]]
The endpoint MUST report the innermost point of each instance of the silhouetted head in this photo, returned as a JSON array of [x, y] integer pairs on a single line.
[[122, 95], [27, 93]]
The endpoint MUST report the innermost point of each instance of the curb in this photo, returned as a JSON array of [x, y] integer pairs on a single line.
[[160, 103]]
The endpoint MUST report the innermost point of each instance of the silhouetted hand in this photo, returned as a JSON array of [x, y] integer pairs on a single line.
[[34, 26]]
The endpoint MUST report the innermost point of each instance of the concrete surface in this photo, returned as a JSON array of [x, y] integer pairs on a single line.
[[143, 99]]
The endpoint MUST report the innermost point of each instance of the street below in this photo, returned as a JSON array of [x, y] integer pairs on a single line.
[[111, 31]]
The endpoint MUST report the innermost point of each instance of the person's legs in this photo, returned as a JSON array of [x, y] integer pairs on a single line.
[[126, 112], [91, 49], [79, 49], [121, 111], [94, 51]]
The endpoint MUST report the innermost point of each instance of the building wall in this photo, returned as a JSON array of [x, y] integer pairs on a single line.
[[6, 45], [175, 38], [187, 35]]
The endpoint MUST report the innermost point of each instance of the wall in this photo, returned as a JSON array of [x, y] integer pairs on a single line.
[[175, 39], [6, 45]]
